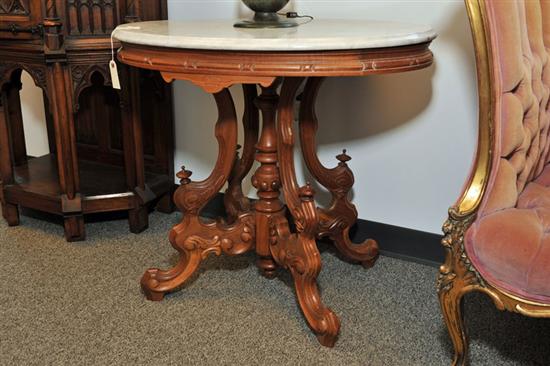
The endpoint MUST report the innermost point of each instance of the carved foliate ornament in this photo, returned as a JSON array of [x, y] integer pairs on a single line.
[[457, 263]]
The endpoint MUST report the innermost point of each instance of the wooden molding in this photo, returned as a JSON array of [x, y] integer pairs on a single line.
[[214, 84], [215, 70]]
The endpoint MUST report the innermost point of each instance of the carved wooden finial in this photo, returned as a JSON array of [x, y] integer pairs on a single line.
[[307, 193], [343, 158], [184, 175]]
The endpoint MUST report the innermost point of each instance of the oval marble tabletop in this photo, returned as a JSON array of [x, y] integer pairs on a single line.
[[319, 34]]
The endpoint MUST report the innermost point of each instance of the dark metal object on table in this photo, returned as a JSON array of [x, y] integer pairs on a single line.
[[266, 16]]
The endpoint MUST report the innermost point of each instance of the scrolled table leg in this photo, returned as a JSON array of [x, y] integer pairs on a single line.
[[235, 201], [337, 220], [298, 252], [194, 239]]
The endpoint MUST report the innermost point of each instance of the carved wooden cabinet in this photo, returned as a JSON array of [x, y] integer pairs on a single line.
[[110, 150]]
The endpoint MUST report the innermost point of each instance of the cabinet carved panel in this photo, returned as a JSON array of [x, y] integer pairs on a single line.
[[86, 17], [14, 7]]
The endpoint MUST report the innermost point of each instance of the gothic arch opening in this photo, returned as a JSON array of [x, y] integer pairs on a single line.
[[34, 117]]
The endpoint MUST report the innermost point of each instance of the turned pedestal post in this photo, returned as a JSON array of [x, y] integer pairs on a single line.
[[266, 180]]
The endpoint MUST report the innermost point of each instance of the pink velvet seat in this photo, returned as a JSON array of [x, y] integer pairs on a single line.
[[509, 243], [511, 247], [497, 237]]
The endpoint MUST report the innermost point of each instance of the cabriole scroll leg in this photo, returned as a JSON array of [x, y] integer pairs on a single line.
[[337, 220], [455, 280], [193, 239], [452, 305], [298, 252], [235, 201]]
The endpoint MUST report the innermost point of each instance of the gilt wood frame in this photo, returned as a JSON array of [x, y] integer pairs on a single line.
[[458, 276], [278, 241]]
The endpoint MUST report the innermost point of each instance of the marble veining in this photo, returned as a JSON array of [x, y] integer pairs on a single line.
[[320, 34]]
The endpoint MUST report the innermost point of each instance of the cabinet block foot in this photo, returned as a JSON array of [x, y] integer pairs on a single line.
[[11, 214], [74, 228], [138, 220]]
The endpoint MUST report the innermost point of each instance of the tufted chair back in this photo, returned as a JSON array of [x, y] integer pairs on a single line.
[[497, 237], [520, 35], [508, 241]]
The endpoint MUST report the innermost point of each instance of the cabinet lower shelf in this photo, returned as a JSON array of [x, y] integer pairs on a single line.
[[102, 187]]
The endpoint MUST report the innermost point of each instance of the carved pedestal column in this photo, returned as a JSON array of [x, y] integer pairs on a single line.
[[266, 180]]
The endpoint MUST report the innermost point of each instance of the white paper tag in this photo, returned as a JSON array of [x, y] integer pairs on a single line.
[[114, 75], [112, 65]]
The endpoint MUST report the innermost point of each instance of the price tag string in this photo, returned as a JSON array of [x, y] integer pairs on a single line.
[[112, 64]]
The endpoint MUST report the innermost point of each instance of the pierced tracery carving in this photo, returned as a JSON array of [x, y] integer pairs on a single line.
[[14, 7], [87, 17], [38, 73], [82, 78]]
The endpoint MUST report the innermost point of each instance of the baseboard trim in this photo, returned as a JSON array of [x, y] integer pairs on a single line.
[[394, 241], [402, 243]]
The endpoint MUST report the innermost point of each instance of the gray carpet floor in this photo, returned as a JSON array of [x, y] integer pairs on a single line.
[[80, 304]]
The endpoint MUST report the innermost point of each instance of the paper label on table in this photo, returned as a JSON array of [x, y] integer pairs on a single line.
[[114, 75]]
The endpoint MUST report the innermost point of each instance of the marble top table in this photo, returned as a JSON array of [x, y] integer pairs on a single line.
[[316, 35], [272, 65]]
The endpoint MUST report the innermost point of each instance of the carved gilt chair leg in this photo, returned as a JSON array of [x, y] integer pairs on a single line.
[[234, 200], [456, 278], [337, 220], [193, 239], [452, 307], [298, 252]]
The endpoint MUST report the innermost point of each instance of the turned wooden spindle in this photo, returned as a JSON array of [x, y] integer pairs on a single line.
[[266, 179]]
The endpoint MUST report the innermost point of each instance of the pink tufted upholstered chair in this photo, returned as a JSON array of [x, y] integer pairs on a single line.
[[497, 236]]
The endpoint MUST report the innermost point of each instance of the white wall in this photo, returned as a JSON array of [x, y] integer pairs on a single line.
[[412, 135], [32, 103]]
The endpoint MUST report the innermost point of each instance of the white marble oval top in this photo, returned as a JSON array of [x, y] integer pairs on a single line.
[[320, 34]]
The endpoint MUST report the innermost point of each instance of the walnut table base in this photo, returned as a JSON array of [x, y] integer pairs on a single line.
[[283, 235], [264, 226]]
